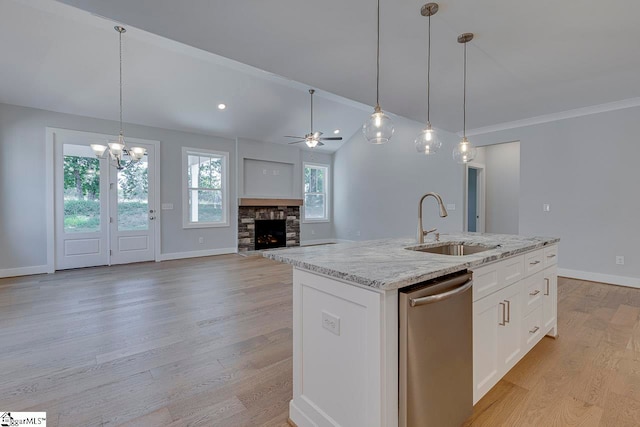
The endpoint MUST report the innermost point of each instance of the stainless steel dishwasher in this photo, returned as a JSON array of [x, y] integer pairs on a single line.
[[436, 353]]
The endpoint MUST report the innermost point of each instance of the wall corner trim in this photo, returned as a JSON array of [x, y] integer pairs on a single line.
[[631, 282]]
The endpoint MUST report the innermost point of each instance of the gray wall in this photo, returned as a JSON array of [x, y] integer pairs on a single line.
[[22, 183], [584, 168], [502, 183], [277, 156], [378, 187]]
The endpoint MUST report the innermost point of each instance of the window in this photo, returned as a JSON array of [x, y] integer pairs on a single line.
[[316, 191], [205, 198]]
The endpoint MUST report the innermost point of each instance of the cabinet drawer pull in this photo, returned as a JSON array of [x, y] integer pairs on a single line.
[[533, 294], [534, 263], [534, 330], [551, 256], [546, 279], [508, 311], [503, 314]]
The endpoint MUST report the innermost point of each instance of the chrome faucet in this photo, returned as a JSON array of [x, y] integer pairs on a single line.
[[443, 213]]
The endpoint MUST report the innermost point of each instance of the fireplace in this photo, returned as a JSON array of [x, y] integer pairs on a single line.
[[270, 233], [268, 211]]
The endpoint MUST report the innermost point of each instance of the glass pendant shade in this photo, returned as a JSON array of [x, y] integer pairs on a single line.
[[378, 129], [464, 152], [311, 142], [137, 153], [427, 141], [116, 148], [98, 149]]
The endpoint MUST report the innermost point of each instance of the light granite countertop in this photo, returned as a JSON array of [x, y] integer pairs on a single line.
[[387, 264]]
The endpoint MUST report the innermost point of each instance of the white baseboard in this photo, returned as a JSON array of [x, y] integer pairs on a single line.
[[632, 282], [24, 271], [196, 254], [317, 242], [344, 241]]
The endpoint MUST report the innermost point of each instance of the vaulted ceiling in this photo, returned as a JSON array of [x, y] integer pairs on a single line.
[[527, 59]]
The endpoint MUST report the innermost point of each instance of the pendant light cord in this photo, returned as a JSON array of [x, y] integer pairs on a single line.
[[429, 72], [464, 95], [378, 61], [120, 37]]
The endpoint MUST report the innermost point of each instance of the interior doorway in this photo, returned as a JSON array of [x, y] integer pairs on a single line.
[[102, 215], [475, 194]]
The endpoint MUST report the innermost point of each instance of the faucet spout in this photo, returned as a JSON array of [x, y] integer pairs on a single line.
[[443, 213]]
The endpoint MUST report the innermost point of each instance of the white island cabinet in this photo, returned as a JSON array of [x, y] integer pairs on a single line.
[[345, 318]]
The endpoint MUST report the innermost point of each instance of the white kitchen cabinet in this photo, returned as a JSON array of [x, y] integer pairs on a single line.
[[496, 332], [515, 305]]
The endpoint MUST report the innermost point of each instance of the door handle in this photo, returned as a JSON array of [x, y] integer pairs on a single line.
[[508, 311], [534, 330], [534, 263], [504, 306], [413, 302], [551, 256], [546, 279], [152, 218]]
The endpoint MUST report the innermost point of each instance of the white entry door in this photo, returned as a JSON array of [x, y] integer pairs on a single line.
[[132, 212], [82, 217], [103, 216]]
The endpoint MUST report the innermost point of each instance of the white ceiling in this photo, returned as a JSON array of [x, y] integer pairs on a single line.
[[528, 58], [60, 58], [525, 61]]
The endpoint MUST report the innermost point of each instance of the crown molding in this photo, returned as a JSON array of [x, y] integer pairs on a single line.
[[562, 115]]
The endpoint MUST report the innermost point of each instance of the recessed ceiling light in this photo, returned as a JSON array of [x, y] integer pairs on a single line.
[[222, 106], [337, 131]]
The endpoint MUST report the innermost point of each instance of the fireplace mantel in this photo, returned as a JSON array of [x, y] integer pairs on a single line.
[[269, 202]]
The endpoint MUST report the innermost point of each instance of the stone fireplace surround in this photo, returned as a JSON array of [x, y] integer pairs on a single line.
[[249, 210]]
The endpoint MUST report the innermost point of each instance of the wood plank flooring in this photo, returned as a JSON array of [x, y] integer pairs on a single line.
[[207, 342]]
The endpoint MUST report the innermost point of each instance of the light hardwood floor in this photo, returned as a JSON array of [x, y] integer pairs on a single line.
[[207, 342]]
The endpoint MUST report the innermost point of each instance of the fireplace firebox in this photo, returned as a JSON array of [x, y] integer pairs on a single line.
[[270, 233]]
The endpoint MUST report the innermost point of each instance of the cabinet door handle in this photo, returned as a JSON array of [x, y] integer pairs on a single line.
[[534, 330], [508, 311], [551, 256], [503, 314], [536, 292], [534, 263], [546, 279]]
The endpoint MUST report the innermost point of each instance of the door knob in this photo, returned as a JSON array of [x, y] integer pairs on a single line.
[[152, 218], [151, 211]]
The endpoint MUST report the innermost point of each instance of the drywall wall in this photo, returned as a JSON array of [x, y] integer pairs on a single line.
[[584, 168], [22, 184], [378, 186], [276, 156], [268, 178], [502, 183]]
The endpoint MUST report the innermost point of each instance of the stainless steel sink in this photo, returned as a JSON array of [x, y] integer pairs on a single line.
[[454, 249]]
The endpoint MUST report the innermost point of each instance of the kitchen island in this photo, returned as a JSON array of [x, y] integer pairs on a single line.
[[345, 321]]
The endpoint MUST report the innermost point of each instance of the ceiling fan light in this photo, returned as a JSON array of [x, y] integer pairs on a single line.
[[312, 142], [378, 129], [427, 141]]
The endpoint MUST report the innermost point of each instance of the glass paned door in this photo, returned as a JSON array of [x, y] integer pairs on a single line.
[[131, 194], [81, 206]]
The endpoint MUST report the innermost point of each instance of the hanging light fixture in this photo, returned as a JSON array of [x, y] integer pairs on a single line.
[[117, 150], [378, 129], [464, 152], [427, 141]]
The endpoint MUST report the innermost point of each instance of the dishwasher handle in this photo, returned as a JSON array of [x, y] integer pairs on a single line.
[[466, 284]]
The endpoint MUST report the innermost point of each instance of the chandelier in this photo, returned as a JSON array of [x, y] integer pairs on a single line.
[[117, 151]]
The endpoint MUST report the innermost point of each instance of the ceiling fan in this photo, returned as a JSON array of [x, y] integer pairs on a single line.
[[313, 139]]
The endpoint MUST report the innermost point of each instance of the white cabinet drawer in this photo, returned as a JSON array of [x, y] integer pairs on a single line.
[[493, 277], [550, 256], [532, 330], [511, 270], [533, 290], [533, 262]]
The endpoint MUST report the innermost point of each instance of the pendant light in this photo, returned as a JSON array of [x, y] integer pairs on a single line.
[[378, 129], [464, 152], [117, 150], [427, 141]]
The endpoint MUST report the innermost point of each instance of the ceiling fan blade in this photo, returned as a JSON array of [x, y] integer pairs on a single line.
[[319, 144], [295, 142], [332, 138], [296, 137]]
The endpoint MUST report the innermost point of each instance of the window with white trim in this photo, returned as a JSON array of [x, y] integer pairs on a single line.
[[205, 192], [316, 192]]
